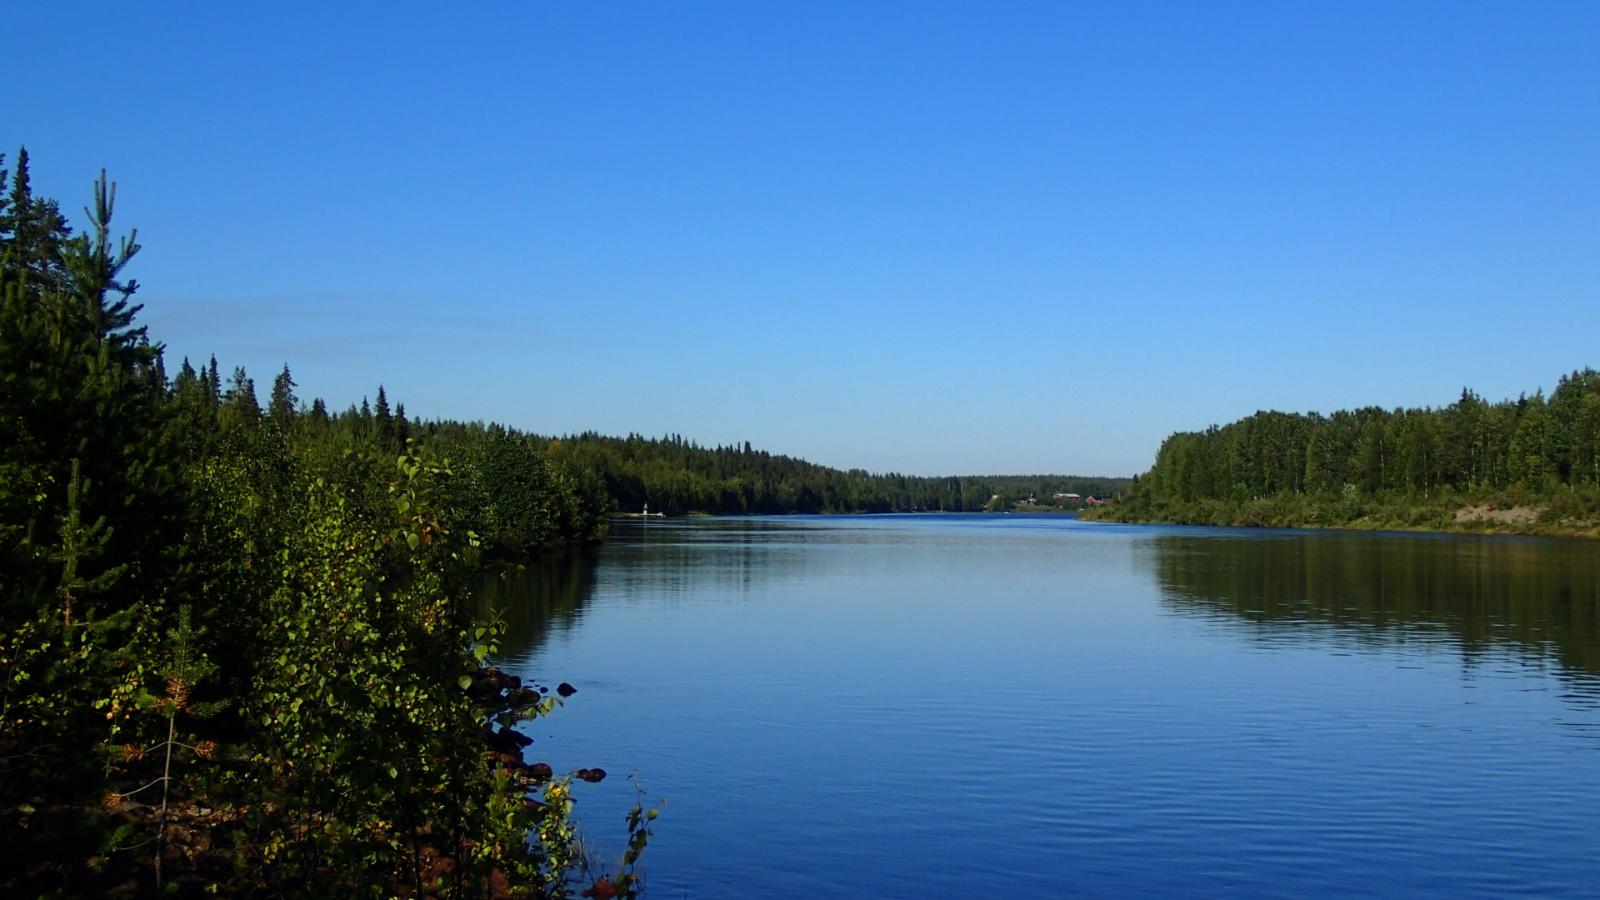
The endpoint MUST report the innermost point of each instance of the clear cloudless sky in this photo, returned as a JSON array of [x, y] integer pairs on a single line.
[[924, 237]]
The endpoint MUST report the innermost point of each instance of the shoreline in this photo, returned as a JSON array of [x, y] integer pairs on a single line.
[[1482, 527]]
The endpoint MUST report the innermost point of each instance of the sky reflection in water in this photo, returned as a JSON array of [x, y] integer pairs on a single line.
[[938, 705]]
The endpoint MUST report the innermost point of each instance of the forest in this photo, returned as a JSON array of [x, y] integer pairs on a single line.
[[239, 648], [675, 477], [1530, 465], [238, 645]]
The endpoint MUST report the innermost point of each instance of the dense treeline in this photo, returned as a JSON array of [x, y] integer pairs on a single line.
[[1403, 467], [517, 496], [238, 648], [675, 476]]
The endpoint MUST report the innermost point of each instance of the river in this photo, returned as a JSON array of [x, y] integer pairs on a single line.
[[969, 705]]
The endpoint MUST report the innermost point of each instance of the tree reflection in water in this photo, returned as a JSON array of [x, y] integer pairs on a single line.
[[544, 595], [1539, 599]]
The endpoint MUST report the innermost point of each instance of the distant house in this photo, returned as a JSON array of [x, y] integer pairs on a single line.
[[1068, 499], [1096, 501]]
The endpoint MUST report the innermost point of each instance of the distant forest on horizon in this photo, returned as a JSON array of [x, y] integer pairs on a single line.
[[1540, 451], [669, 474]]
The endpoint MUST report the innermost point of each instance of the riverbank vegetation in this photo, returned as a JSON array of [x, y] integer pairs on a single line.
[[1530, 465], [237, 644], [675, 476]]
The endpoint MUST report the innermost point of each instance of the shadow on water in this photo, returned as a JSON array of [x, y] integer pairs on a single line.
[[720, 560], [545, 596], [1538, 599], [659, 562]]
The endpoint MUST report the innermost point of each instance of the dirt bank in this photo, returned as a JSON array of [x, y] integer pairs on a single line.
[[1488, 513]]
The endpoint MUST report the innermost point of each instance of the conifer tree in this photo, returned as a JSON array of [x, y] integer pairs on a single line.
[[384, 420], [88, 496], [191, 401], [125, 503], [283, 402], [214, 383], [34, 230], [240, 404]]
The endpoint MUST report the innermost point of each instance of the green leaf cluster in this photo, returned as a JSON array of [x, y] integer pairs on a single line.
[[235, 644]]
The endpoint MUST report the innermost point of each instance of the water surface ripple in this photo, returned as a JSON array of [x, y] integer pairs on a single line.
[[933, 706]]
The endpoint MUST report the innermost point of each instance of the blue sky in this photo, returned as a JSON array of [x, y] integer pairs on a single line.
[[931, 238]]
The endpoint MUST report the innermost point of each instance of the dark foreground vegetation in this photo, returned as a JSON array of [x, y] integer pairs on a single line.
[[238, 649], [237, 652], [1530, 465]]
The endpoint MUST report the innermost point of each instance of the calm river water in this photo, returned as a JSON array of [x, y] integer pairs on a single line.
[[943, 706]]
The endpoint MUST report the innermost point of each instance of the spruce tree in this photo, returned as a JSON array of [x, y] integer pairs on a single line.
[[402, 428], [34, 230], [240, 404], [88, 504], [283, 402], [385, 421], [213, 383]]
